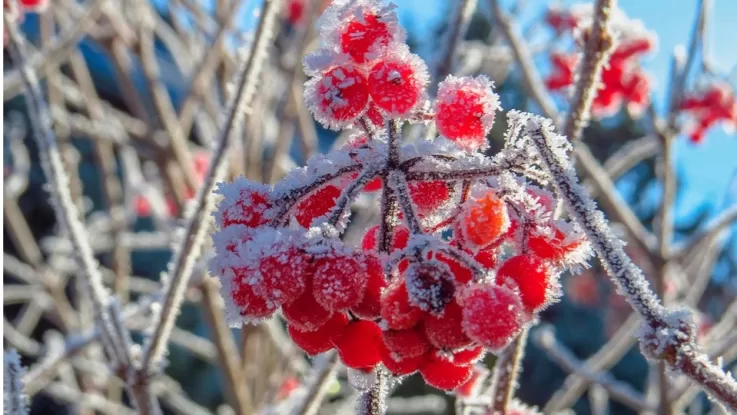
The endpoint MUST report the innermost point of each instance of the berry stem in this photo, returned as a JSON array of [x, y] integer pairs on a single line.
[[397, 178], [394, 132], [373, 401], [505, 374], [349, 194]]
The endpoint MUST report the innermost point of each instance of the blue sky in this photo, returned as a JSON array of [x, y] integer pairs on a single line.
[[706, 170]]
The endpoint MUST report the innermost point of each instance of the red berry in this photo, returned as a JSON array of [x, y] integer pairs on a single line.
[[530, 276], [554, 247], [316, 205], [338, 97], [366, 36], [376, 117], [445, 331], [471, 387], [492, 315], [484, 220], [430, 286], [320, 340], [397, 83], [465, 110], [305, 313], [444, 375], [465, 356], [245, 203], [281, 275], [428, 196], [339, 281], [250, 304], [399, 239], [403, 366], [360, 345], [407, 343], [396, 309], [370, 307], [358, 142], [461, 273]]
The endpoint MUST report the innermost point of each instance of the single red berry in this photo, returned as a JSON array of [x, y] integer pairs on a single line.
[[428, 196], [320, 340], [338, 97], [407, 343], [445, 331], [33, 5], [249, 303], [430, 286], [400, 238], [245, 203], [403, 366], [396, 308], [281, 275], [492, 315], [444, 375], [464, 356], [365, 38], [464, 110], [461, 273], [484, 220], [397, 82], [339, 280], [305, 313], [471, 387], [530, 276], [554, 246], [370, 307], [316, 205], [359, 346]]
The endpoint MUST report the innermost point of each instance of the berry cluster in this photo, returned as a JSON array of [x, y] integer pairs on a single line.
[[623, 81], [465, 254], [710, 105]]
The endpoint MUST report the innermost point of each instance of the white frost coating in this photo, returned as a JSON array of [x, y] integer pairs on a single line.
[[360, 380], [14, 401]]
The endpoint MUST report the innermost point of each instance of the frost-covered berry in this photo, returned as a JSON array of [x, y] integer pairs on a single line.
[[365, 36], [359, 346], [397, 82], [360, 141], [280, 276], [402, 366], [473, 385], [244, 203], [396, 309], [492, 315], [407, 343], [484, 220], [305, 313], [338, 97], [323, 338], [376, 118], [464, 110], [400, 238], [466, 356], [428, 196], [339, 280], [370, 306], [531, 277], [317, 205], [446, 331], [442, 374], [555, 244], [430, 286], [250, 305]]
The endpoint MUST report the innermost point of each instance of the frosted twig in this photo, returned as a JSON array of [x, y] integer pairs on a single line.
[[460, 18], [185, 256], [321, 375], [50, 57], [505, 374], [373, 401], [599, 47], [668, 335], [61, 198], [14, 401], [545, 338], [713, 228]]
